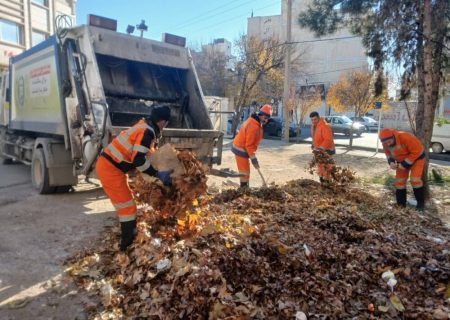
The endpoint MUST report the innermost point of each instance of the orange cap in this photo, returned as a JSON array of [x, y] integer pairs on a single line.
[[266, 110], [386, 134]]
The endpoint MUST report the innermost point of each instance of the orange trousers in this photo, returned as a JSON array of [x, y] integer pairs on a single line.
[[115, 184], [414, 173], [243, 165]]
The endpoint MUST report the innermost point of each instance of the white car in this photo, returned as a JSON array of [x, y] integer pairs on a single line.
[[440, 140]]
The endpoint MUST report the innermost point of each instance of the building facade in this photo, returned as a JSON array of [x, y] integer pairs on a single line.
[[25, 23], [316, 61]]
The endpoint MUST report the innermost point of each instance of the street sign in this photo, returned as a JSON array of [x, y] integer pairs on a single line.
[[378, 105]]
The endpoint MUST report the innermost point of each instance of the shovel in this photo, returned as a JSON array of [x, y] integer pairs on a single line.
[[262, 177]]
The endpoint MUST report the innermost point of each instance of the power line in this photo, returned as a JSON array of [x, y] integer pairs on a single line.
[[337, 70], [201, 15], [304, 41], [197, 20], [237, 17]]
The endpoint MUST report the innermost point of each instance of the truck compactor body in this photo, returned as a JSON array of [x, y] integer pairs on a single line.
[[66, 98]]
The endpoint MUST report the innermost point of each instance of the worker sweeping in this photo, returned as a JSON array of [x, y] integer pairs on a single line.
[[247, 141], [131, 150], [322, 139], [406, 154]]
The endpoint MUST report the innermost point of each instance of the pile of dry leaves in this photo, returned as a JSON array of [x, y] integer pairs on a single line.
[[299, 251], [339, 176], [169, 206]]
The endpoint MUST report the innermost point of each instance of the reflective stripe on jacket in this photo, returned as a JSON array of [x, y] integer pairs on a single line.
[[407, 149], [247, 140], [132, 148], [322, 136]]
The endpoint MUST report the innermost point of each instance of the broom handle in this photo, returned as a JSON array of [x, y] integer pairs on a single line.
[[262, 177]]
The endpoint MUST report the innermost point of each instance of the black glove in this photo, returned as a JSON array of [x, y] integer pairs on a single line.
[[128, 233], [255, 162], [164, 176]]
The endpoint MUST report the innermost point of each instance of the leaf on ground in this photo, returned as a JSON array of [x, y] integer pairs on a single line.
[[397, 303]]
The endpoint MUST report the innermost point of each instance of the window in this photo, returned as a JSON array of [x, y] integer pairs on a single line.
[[40, 2], [37, 37], [10, 32]]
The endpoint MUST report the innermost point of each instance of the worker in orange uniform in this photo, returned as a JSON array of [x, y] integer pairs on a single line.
[[322, 139], [131, 150], [247, 140], [405, 154]]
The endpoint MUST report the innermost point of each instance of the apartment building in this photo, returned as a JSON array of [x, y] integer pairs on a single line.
[[317, 62], [25, 23]]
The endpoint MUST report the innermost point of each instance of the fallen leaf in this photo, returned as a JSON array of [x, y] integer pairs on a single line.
[[397, 303]]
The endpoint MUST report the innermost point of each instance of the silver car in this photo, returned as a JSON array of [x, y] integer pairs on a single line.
[[343, 124], [369, 123]]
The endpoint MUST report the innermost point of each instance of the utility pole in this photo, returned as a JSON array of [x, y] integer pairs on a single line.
[[287, 72]]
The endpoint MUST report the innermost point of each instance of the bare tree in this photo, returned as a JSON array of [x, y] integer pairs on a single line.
[[306, 99], [211, 66], [255, 60]]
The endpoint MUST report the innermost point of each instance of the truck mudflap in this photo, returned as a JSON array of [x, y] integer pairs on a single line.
[[206, 144]]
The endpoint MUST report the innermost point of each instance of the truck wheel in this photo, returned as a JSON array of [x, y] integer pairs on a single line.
[[6, 161], [437, 147], [39, 173], [63, 189]]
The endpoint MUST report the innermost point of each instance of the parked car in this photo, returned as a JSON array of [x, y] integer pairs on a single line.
[[343, 124], [275, 127], [369, 123], [440, 140]]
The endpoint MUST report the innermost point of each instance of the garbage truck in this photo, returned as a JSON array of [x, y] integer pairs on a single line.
[[64, 100]]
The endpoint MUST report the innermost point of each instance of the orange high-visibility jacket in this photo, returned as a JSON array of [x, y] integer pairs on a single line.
[[322, 135], [407, 149], [250, 135], [132, 148]]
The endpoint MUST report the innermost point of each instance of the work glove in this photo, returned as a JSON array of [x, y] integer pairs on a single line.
[[393, 165], [164, 176], [255, 162], [128, 233]]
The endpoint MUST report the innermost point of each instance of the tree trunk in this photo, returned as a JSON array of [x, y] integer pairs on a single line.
[[431, 72]]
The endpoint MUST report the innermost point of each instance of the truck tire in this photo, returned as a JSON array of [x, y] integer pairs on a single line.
[[6, 161], [39, 173]]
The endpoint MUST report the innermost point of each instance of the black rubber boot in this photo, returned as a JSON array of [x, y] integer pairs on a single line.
[[400, 194], [128, 233], [244, 184], [419, 193]]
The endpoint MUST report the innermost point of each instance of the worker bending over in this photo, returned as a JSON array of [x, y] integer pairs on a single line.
[[322, 139], [247, 140], [131, 149], [406, 154]]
